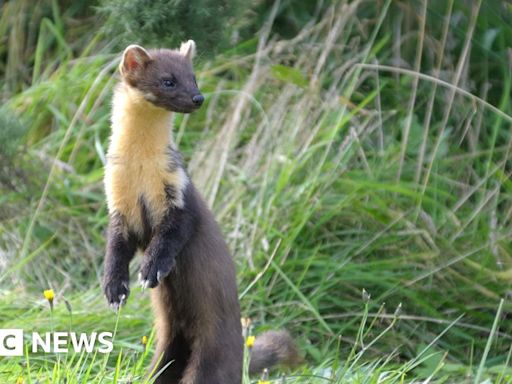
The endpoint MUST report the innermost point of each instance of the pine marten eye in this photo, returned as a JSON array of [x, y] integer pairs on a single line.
[[168, 83]]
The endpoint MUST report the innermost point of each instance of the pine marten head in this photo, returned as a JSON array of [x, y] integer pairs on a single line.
[[163, 77]]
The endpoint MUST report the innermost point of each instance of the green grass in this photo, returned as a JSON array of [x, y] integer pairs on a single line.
[[368, 208]]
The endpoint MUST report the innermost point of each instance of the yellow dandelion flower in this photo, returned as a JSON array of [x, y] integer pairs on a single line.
[[263, 382], [49, 294], [144, 340], [250, 341], [19, 380]]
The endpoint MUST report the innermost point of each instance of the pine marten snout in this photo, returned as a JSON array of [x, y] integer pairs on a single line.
[[155, 209], [164, 77]]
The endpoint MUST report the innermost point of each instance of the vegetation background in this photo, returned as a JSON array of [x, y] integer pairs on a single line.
[[356, 153]]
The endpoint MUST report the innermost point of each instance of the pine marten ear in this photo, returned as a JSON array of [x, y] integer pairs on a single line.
[[188, 49], [134, 59]]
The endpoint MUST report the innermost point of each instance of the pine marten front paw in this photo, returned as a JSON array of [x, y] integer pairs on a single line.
[[116, 291], [153, 270]]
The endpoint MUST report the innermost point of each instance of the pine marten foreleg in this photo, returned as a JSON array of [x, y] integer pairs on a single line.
[[167, 241], [121, 247]]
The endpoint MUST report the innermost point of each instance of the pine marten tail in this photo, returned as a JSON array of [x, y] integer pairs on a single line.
[[273, 348]]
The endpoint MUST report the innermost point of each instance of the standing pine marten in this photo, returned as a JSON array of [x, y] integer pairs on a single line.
[[154, 207]]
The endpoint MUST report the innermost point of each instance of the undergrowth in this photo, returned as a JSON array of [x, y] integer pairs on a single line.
[[366, 198]]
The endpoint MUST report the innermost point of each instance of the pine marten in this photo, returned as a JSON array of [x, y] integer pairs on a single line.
[[154, 207]]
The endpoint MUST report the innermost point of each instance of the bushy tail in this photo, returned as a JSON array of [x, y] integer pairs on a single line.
[[272, 348]]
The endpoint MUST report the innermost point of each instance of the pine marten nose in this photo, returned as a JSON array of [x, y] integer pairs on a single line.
[[198, 99]]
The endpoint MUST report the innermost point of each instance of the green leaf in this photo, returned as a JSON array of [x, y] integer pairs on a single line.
[[289, 75]]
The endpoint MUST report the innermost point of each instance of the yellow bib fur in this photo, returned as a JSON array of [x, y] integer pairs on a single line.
[[138, 159]]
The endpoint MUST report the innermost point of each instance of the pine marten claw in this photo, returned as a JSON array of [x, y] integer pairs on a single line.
[[153, 272], [116, 292], [144, 283], [141, 281]]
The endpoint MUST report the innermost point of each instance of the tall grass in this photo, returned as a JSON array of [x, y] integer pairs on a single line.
[[333, 167]]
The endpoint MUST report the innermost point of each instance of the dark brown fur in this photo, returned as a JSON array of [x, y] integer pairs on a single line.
[[157, 65], [272, 348], [200, 301]]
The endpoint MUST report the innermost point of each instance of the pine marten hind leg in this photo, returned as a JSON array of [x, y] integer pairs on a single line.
[[204, 368], [172, 351]]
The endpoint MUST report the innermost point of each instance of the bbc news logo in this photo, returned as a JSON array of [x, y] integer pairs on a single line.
[[12, 342]]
